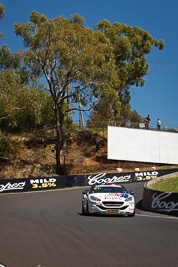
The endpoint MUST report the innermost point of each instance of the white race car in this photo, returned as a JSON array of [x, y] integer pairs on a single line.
[[108, 199]]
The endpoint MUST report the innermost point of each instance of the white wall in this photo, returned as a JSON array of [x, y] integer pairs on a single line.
[[142, 145]]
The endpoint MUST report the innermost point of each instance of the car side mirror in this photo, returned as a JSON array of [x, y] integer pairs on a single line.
[[132, 192], [85, 192]]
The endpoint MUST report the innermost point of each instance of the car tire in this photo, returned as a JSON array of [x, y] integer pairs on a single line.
[[87, 210], [83, 211], [132, 215]]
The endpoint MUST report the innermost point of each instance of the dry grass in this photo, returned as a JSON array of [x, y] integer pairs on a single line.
[[87, 153]]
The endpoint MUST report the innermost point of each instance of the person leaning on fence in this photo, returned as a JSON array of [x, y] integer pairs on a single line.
[[158, 124], [148, 122]]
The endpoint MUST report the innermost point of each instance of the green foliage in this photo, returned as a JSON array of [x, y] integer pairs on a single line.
[[47, 150], [23, 105], [6, 58], [131, 44], [76, 18], [129, 117], [106, 111], [22, 108], [2, 11], [74, 56]]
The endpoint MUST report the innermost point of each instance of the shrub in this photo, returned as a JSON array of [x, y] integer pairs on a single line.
[[8, 146]]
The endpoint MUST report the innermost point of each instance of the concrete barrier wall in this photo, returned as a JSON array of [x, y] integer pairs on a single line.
[[160, 201]]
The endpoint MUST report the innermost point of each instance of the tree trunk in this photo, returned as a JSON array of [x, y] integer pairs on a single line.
[[58, 151], [61, 138]]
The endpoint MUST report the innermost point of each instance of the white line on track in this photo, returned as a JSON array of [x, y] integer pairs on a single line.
[[156, 216]]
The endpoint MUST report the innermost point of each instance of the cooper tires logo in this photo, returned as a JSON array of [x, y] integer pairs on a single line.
[[102, 179], [12, 186], [160, 202]]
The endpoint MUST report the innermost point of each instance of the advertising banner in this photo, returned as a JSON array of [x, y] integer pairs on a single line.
[[142, 145], [160, 202], [57, 182]]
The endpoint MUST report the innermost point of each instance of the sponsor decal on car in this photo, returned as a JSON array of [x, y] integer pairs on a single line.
[[108, 185], [112, 198], [116, 196]]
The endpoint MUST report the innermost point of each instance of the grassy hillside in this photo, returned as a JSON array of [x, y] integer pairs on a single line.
[[168, 185]]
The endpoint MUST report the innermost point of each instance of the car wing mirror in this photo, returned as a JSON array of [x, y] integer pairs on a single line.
[[85, 192], [132, 192]]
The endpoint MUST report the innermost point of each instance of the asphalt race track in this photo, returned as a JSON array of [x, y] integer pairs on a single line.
[[47, 229]]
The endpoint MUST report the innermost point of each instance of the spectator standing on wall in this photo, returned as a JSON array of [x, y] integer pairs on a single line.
[[148, 122], [158, 124]]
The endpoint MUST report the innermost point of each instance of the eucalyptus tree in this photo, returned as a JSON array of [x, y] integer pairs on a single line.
[[21, 106], [131, 45], [77, 64], [2, 13]]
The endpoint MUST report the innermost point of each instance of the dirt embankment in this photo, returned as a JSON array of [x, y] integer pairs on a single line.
[[86, 153]]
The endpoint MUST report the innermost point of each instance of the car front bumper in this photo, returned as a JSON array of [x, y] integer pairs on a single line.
[[100, 208]]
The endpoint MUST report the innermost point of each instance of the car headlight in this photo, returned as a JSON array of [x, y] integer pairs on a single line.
[[92, 198], [130, 198]]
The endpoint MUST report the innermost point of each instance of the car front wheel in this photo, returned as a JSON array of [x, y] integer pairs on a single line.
[[83, 210], [87, 210], [132, 214]]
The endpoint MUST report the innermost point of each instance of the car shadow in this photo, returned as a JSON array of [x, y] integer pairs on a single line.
[[139, 206], [139, 210], [104, 215]]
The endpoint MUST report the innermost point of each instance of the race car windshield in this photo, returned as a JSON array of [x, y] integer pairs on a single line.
[[108, 189]]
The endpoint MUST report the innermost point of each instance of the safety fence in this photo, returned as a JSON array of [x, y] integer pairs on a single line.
[[136, 125]]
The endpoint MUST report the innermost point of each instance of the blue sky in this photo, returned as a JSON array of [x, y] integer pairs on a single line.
[[159, 96]]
